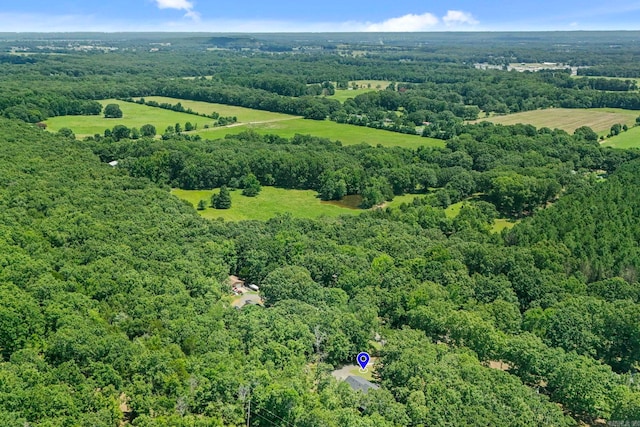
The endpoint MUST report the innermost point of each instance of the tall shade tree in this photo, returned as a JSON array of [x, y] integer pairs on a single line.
[[112, 111]]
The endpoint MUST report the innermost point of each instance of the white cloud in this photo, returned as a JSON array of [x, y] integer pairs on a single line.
[[185, 5], [453, 20], [174, 4], [406, 23], [457, 17]]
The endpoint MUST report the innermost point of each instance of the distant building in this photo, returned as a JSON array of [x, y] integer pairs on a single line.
[[113, 163], [360, 384]]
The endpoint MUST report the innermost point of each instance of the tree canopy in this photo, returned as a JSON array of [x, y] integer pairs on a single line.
[[121, 305]]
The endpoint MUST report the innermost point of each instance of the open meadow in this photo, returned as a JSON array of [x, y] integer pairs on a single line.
[[287, 126], [274, 201], [628, 139], [133, 115], [347, 134], [244, 115], [363, 86], [263, 122], [569, 119], [270, 202]]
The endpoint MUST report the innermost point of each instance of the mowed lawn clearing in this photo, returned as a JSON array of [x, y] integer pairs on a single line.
[[133, 115], [405, 198], [347, 134], [244, 115], [286, 125], [364, 86], [569, 119], [628, 139], [270, 202], [344, 94]]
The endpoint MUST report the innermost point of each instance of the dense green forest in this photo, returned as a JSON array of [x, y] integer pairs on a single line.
[[493, 160], [115, 301]]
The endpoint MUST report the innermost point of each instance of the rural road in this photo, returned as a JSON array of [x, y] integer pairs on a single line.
[[233, 125]]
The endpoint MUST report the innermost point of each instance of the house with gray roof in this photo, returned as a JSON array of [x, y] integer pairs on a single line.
[[360, 384]]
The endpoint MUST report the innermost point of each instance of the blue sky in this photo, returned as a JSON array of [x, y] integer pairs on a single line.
[[327, 15]]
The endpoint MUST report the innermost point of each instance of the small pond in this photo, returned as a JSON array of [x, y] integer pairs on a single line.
[[350, 202]]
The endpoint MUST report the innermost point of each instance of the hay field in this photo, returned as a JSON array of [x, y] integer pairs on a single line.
[[569, 119]]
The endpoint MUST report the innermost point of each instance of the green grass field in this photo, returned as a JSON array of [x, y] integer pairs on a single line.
[[344, 94], [598, 119], [628, 139], [134, 115], [263, 122], [270, 202], [285, 125], [364, 86], [398, 200], [273, 201], [453, 210], [244, 115], [502, 223], [368, 375], [347, 134]]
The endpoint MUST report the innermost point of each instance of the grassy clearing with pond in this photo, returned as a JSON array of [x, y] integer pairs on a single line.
[[274, 201], [569, 119], [133, 115]]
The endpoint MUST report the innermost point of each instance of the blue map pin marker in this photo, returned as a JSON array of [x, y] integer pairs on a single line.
[[363, 360]]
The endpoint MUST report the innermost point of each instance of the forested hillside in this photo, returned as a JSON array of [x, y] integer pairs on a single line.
[[113, 308]]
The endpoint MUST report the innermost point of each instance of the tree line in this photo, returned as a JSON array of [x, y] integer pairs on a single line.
[[517, 168]]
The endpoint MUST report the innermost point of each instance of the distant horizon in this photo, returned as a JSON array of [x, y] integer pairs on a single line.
[[253, 16], [319, 32]]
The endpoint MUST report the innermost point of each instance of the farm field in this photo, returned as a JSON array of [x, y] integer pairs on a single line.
[[628, 139], [287, 126], [568, 119], [347, 134], [134, 115], [263, 122], [244, 115], [270, 202]]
